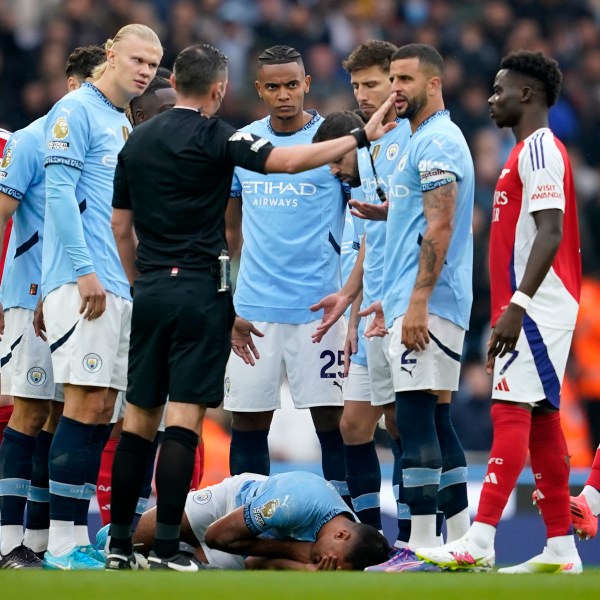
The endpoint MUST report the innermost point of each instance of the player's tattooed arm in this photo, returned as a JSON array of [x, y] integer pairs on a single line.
[[439, 206]]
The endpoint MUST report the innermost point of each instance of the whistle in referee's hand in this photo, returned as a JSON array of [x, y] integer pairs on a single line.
[[224, 272]]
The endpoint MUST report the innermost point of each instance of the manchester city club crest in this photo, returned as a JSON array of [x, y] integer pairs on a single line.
[[392, 151], [36, 376], [202, 497], [92, 363]]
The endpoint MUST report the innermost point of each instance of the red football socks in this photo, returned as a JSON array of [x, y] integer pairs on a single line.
[[511, 425], [594, 478], [550, 466], [103, 485]]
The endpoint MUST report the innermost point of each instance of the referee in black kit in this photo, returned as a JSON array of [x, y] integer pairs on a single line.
[[172, 184]]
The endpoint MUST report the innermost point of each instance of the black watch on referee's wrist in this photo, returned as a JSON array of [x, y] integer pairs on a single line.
[[360, 135]]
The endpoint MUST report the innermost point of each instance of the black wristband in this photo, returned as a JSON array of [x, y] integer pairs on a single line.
[[359, 134]]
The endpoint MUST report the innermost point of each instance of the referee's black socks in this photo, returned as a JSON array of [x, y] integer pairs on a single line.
[[173, 474]]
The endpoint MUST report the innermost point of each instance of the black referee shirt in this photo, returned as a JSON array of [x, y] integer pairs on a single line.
[[175, 173]]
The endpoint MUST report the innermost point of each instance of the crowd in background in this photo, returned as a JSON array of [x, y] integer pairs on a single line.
[[472, 36]]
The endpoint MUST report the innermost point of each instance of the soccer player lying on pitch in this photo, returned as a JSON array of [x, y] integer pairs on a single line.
[[291, 520]]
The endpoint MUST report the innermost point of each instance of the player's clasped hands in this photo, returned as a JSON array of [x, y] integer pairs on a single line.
[[242, 342], [327, 563]]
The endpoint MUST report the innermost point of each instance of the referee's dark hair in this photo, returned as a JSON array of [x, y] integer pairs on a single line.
[[83, 60], [197, 67], [337, 124], [279, 55], [540, 68], [428, 57]]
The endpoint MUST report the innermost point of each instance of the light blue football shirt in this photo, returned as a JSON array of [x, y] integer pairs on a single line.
[[436, 148], [84, 134], [295, 504], [354, 230], [385, 151], [22, 178], [292, 227]]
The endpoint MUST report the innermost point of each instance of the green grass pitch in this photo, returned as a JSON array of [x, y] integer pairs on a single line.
[[22, 585]]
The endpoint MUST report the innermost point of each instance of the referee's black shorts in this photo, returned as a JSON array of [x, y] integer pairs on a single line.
[[180, 338]]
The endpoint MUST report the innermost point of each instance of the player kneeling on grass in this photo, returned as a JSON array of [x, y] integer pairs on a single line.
[[291, 520]]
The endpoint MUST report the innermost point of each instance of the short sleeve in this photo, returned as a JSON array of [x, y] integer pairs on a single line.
[[248, 150], [236, 186], [121, 194], [440, 161], [67, 138], [19, 164], [542, 171]]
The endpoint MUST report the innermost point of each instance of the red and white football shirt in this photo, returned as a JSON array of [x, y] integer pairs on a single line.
[[537, 176]]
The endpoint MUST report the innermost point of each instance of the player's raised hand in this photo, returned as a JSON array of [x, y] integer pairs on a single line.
[[368, 210], [242, 342], [374, 127], [39, 325], [93, 296], [333, 307], [377, 327]]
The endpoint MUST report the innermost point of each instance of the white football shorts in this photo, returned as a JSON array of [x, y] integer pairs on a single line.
[[535, 369], [356, 384], [26, 365], [203, 507], [314, 371], [380, 368], [88, 352], [437, 367]]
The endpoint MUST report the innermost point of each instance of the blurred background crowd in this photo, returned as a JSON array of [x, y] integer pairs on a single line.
[[37, 35]]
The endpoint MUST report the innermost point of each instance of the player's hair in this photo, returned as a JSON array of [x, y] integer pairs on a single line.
[[142, 32], [83, 60], [371, 53], [158, 83], [164, 72], [427, 55], [337, 124], [369, 548], [197, 67], [539, 67], [280, 55]]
